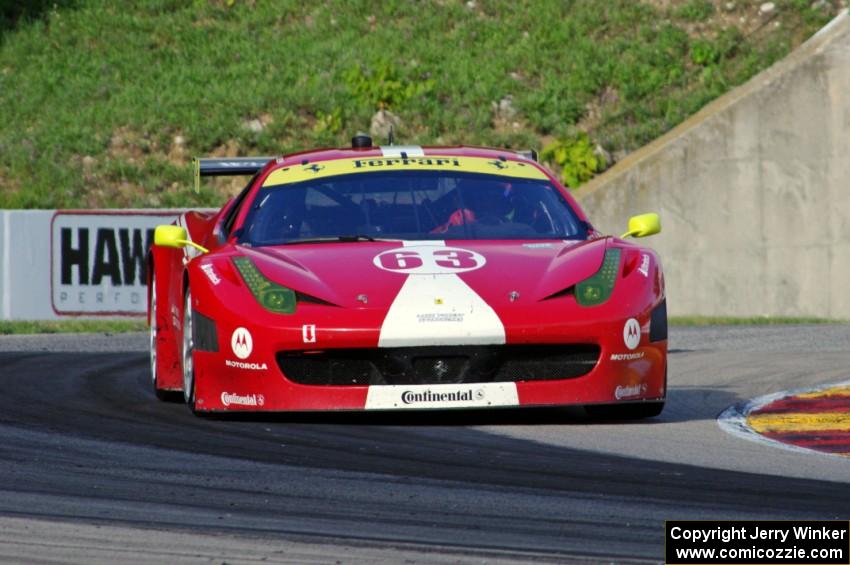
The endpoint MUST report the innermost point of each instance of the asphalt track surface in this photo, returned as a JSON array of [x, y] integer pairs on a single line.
[[94, 469]]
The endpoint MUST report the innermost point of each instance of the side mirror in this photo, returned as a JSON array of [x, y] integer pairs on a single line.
[[174, 236], [643, 225]]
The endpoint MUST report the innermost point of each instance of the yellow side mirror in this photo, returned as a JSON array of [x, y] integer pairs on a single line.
[[643, 225], [174, 236]]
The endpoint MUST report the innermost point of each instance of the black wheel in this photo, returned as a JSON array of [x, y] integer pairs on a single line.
[[624, 411], [188, 357]]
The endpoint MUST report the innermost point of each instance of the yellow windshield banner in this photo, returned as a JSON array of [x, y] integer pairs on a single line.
[[299, 173]]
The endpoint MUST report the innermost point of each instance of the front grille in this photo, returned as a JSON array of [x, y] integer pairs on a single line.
[[438, 365]]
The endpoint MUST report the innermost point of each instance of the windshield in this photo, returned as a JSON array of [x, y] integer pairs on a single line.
[[420, 205]]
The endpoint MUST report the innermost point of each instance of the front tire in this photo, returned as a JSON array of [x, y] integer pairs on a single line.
[[188, 353]]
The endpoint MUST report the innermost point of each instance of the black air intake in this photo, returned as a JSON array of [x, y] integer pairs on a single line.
[[658, 322], [204, 333], [438, 365]]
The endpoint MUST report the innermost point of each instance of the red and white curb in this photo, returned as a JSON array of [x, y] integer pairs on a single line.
[[736, 420]]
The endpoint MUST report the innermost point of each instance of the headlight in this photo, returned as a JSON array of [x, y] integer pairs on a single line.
[[271, 296], [598, 288]]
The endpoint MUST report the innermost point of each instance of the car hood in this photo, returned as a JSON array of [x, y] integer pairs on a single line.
[[372, 274]]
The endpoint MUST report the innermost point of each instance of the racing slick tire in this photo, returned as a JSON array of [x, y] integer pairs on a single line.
[[188, 361]]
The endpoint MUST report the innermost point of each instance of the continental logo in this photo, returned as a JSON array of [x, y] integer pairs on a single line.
[[415, 397], [233, 399], [631, 391], [410, 397]]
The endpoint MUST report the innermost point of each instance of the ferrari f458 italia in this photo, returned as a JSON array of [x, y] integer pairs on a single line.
[[404, 277]]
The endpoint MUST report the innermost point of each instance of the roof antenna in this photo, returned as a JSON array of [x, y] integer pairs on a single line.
[[390, 137]]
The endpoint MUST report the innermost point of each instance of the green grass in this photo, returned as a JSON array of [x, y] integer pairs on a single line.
[[93, 93], [71, 326], [747, 321]]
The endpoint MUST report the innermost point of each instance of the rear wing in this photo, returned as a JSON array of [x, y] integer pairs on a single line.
[[227, 166], [530, 154]]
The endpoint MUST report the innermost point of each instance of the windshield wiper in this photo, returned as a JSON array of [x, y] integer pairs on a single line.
[[336, 239]]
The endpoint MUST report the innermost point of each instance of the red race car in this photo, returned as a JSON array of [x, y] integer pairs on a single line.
[[404, 277]]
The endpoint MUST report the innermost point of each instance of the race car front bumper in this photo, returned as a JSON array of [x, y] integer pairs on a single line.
[[298, 367]]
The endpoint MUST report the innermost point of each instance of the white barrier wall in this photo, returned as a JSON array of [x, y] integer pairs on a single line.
[[57, 264]]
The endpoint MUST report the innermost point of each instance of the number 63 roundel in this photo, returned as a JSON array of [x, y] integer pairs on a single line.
[[429, 260]]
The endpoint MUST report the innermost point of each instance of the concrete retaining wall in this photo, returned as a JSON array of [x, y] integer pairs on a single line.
[[753, 192]]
